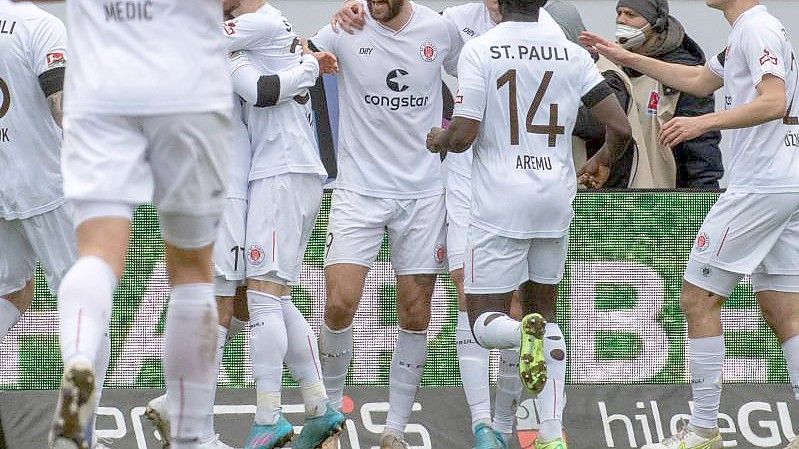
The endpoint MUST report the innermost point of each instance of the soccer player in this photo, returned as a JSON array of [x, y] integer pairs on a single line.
[[285, 193], [754, 226], [33, 224], [520, 89], [389, 96], [147, 122]]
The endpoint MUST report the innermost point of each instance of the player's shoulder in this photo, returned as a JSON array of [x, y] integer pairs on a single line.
[[459, 13], [263, 21], [426, 14], [31, 13], [758, 21]]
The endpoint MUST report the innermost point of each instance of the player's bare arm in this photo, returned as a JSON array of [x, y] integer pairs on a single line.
[[605, 107], [350, 17], [770, 104], [456, 139], [695, 80]]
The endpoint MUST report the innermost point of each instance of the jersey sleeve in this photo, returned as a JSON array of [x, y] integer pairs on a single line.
[[246, 30], [325, 39], [590, 73], [455, 46], [716, 63], [763, 49], [470, 102], [48, 45]]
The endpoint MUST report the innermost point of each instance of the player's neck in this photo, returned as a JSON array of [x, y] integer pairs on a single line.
[[513, 16], [401, 19], [249, 6], [735, 9]]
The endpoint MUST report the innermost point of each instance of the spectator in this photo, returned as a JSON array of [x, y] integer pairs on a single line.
[[633, 169], [645, 27]]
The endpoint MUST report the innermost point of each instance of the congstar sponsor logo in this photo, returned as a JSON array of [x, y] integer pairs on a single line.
[[397, 80]]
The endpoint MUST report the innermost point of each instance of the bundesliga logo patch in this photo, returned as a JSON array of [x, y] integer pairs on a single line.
[[429, 52], [55, 59], [255, 255]]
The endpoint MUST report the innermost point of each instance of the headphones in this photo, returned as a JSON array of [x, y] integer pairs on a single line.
[[662, 20]]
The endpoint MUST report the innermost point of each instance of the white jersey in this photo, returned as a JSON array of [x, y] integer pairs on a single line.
[[524, 84], [282, 138], [31, 43], [389, 98], [473, 20], [239, 160], [763, 158], [146, 57]]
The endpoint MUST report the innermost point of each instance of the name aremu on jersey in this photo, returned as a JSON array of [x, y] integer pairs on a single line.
[[528, 162], [529, 52]]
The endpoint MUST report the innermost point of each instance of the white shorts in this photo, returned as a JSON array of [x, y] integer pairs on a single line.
[[497, 264], [281, 216], [747, 233], [177, 162], [415, 231], [48, 238], [228, 257], [459, 200]]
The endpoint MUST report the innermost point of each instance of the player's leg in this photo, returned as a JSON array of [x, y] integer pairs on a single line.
[[737, 234], [472, 358], [417, 235], [355, 232], [185, 154], [546, 260], [300, 196], [508, 393], [17, 261]]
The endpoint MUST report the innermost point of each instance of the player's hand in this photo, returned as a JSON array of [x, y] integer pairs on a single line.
[[432, 140], [680, 129], [604, 47], [350, 17], [596, 171], [328, 63]]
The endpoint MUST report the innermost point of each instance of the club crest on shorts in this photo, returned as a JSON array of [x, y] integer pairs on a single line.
[[702, 242], [255, 255], [428, 51], [706, 271], [439, 253]]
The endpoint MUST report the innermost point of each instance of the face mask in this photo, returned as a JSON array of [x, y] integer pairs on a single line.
[[630, 37]]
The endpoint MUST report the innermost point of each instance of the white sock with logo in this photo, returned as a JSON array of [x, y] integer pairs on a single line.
[[84, 308], [706, 365], [268, 346], [473, 363], [221, 340], [335, 353], [552, 399], [508, 392], [496, 330], [190, 359], [790, 348], [406, 371], [9, 315], [302, 359]]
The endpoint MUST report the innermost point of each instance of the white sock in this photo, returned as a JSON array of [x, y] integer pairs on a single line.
[[495, 330], [791, 351], [508, 393], [84, 308], [236, 327], [100, 370], [221, 339], [302, 359], [406, 370], [706, 364], [335, 351], [9, 315], [190, 358], [552, 399], [268, 344], [473, 363]]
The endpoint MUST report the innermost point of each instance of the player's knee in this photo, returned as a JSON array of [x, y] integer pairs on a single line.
[[188, 266], [339, 312], [697, 302], [414, 316]]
